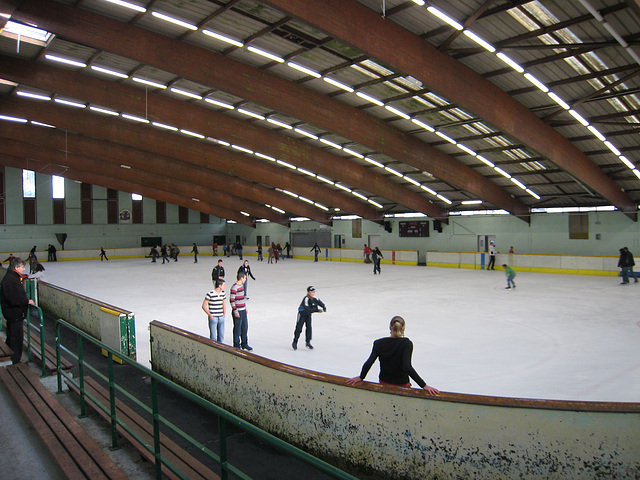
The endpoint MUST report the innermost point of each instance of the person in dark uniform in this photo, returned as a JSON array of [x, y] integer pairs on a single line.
[[310, 304], [217, 272]]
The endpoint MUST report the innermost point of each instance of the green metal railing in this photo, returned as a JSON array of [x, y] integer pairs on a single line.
[[159, 422], [31, 287], [39, 327]]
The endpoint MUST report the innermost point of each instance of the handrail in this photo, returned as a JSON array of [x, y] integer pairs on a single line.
[[31, 287], [224, 417], [40, 329]]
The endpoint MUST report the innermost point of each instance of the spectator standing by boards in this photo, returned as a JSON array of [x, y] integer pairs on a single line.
[[15, 306]]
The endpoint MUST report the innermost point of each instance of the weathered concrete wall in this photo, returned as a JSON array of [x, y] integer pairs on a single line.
[[83, 312], [404, 433]]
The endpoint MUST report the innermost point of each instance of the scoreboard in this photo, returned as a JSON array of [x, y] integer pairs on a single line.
[[414, 229]]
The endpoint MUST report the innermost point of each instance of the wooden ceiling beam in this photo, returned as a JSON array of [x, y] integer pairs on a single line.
[[191, 117], [162, 173], [23, 155]]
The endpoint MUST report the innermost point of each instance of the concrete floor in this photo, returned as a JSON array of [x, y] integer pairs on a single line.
[[553, 337]]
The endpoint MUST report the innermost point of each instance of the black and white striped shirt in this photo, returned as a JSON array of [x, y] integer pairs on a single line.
[[216, 301]]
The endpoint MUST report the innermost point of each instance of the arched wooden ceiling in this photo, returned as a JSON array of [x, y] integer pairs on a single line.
[[394, 111]]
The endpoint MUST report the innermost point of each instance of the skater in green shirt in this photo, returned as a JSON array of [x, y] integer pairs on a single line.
[[510, 273]]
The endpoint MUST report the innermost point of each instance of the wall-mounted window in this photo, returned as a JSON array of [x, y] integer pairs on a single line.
[[57, 186], [57, 192], [204, 217], [136, 208], [29, 196]]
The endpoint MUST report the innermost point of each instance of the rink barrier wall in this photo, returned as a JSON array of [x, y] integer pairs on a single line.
[[521, 262], [401, 432], [528, 262], [391, 257], [111, 325]]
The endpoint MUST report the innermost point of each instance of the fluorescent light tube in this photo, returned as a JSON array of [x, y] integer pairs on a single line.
[[510, 62], [148, 82], [445, 18], [185, 93], [32, 95], [397, 112], [479, 41], [369, 98], [223, 38], [68, 61], [109, 72], [175, 21], [70, 103], [219, 103], [265, 54], [338, 84], [302, 69]]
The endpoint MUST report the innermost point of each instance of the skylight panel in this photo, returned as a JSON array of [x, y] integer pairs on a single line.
[[377, 68], [364, 71], [25, 31], [395, 87]]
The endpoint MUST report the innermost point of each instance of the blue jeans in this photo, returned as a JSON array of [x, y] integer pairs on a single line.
[[625, 274], [240, 329], [510, 281], [216, 326]]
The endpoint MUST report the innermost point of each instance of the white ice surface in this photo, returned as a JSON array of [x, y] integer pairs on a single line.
[[553, 337]]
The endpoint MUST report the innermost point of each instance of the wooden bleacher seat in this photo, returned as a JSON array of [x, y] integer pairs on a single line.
[[49, 352], [5, 352], [182, 460], [77, 454]]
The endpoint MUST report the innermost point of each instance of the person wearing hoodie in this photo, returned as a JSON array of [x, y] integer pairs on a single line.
[[395, 353]]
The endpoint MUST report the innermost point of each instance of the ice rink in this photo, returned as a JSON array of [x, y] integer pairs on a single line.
[[563, 337]]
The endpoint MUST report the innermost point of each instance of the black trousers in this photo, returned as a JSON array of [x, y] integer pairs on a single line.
[[15, 338], [303, 320]]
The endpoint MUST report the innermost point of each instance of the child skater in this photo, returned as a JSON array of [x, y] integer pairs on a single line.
[[310, 304]]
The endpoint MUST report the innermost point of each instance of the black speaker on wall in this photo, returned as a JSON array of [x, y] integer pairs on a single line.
[[437, 226], [387, 226]]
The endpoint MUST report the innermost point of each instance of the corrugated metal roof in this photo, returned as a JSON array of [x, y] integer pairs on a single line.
[[266, 28]]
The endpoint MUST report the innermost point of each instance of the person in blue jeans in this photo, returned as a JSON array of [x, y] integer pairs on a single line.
[[376, 256], [626, 263], [511, 274], [216, 309], [239, 314]]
